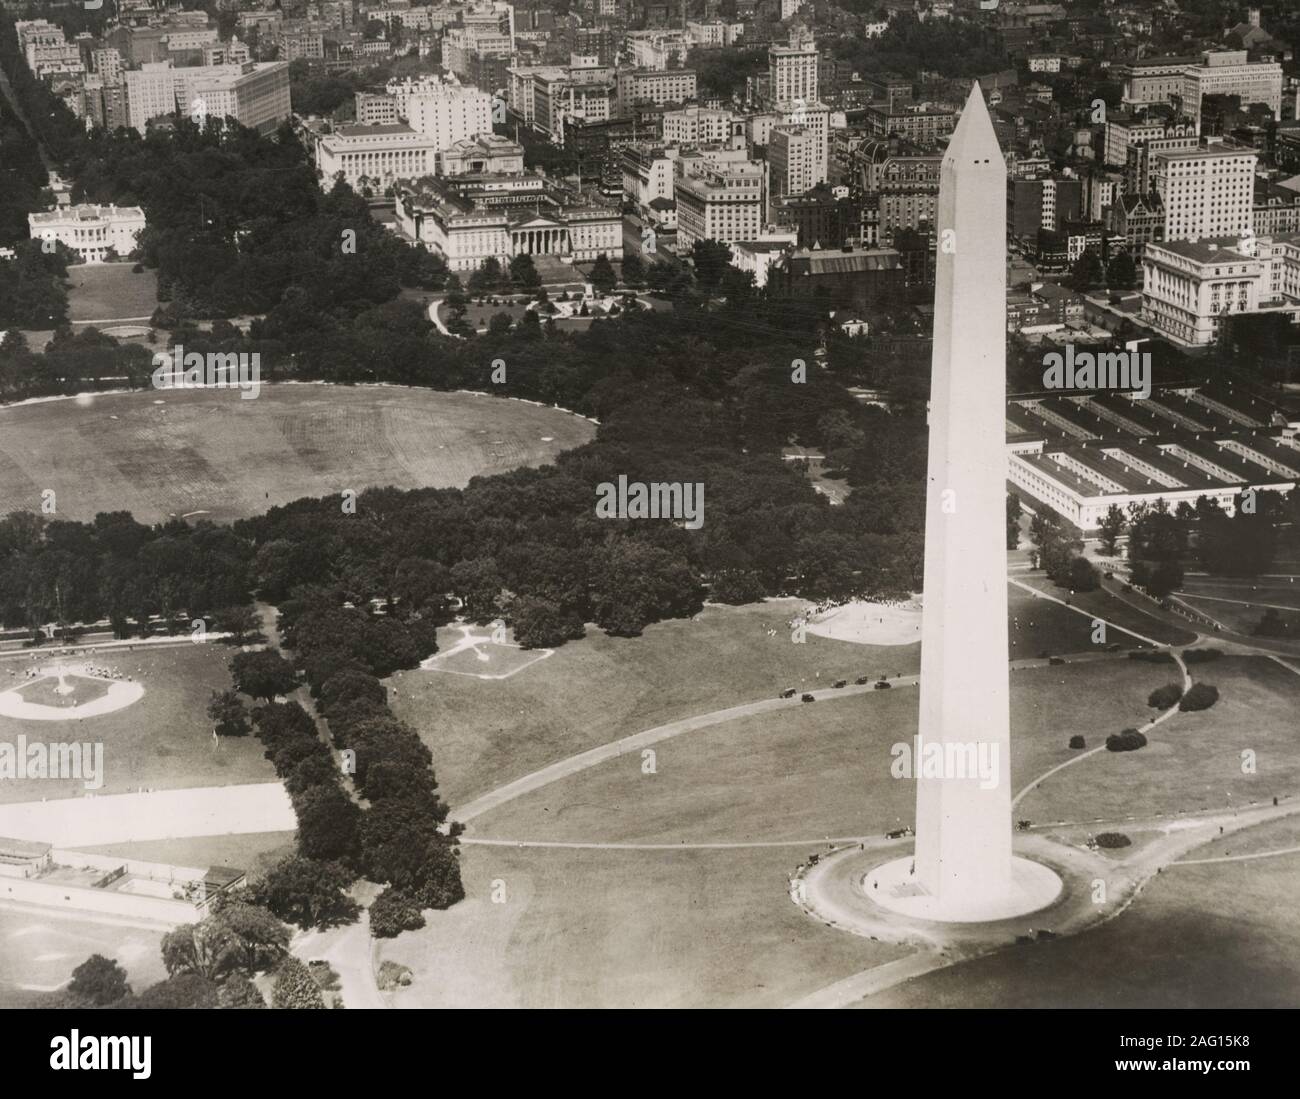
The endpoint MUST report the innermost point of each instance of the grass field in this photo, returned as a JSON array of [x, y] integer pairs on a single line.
[[1101, 604], [1193, 761], [1039, 626], [110, 291], [486, 732], [811, 771], [626, 929], [39, 949], [163, 741], [1240, 604], [1223, 935], [211, 452]]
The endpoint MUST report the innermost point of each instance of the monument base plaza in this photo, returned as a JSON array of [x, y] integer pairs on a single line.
[[893, 885], [868, 889]]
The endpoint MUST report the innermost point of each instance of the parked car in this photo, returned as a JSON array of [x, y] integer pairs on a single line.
[[862, 679], [788, 693], [883, 685], [840, 683], [805, 697]]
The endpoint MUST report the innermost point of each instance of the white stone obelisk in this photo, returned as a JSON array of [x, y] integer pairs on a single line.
[[963, 825]]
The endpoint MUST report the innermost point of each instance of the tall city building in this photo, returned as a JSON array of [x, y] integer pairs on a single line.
[[1229, 72], [794, 159], [150, 92], [725, 202], [1207, 191], [792, 70], [450, 113]]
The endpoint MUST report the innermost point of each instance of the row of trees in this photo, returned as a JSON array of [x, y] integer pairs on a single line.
[[66, 572]]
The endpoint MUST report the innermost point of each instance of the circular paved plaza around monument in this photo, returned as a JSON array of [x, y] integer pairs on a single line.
[[866, 889], [892, 885]]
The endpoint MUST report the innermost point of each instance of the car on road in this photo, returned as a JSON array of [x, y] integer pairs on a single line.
[[788, 693], [840, 683], [862, 679], [805, 697], [883, 685], [1055, 660]]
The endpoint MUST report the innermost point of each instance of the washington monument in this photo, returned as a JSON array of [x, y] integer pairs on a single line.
[[963, 826]]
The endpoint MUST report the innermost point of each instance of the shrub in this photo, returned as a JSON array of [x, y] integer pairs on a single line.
[[392, 975], [394, 912], [1112, 840], [1201, 656], [1150, 656], [1164, 697], [1130, 740], [184, 991], [239, 993], [1201, 697], [295, 987], [1077, 741]]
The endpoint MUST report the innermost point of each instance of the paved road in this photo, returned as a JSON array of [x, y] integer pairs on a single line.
[[349, 952], [818, 842]]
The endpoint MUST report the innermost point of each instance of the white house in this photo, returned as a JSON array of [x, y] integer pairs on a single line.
[[90, 231]]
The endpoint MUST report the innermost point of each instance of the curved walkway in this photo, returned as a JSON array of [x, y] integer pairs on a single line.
[[1239, 858], [593, 756], [1187, 686]]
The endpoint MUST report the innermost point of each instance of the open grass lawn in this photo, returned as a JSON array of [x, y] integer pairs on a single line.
[[1100, 604], [486, 732], [39, 949], [1192, 761], [626, 929], [1214, 936], [210, 452], [1274, 835], [809, 772], [1040, 627], [111, 291], [1241, 604], [163, 741]]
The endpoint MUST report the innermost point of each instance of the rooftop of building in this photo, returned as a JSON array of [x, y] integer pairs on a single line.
[[1201, 152], [13, 850], [847, 260], [85, 212], [1206, 250], [375, 130]]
